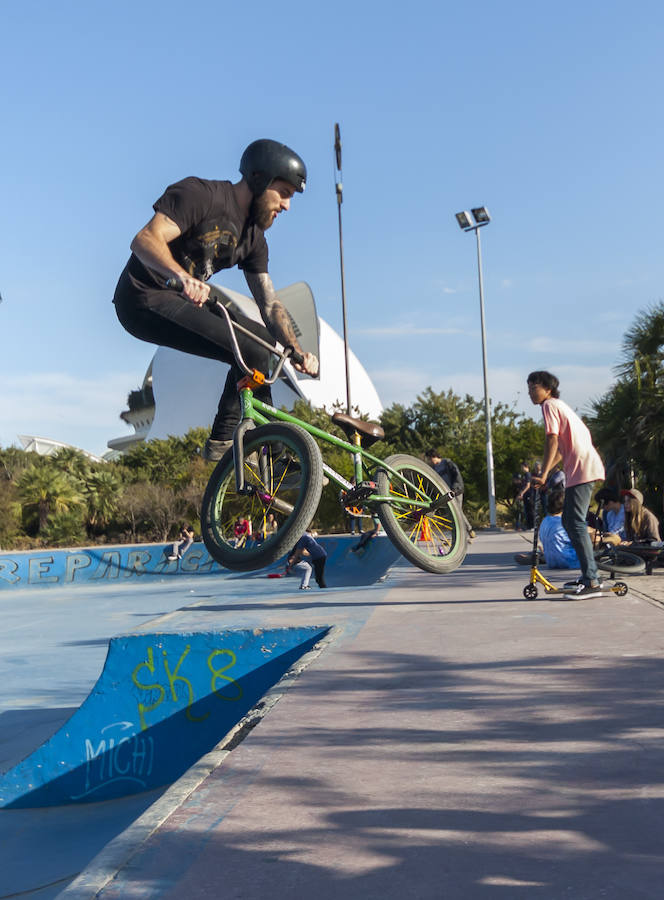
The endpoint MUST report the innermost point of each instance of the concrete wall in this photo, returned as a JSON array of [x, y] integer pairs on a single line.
[[50, 568]]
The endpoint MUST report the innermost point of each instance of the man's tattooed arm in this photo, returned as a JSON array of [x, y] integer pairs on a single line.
[[272, 310], [276, 318]]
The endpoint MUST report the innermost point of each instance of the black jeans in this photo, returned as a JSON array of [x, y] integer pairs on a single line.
[[167, 318], [319, 568]]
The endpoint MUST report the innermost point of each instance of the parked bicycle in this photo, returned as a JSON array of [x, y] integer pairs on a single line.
[[275, 466]]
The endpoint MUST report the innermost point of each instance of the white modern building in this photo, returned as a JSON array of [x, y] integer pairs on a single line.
[[48, 447], [181, 391]]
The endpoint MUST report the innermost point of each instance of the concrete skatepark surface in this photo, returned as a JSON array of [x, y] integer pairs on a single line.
[[450, 740]]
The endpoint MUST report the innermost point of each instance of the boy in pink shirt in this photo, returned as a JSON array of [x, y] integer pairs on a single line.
[[568, 439]]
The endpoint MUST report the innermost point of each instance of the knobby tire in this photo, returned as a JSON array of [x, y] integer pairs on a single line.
[[286, 478], [435, 541]]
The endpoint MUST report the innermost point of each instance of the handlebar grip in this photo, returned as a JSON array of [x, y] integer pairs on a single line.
[[296, 357], [174, 284]]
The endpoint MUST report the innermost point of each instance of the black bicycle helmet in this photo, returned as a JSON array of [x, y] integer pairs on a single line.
[[265, 160]]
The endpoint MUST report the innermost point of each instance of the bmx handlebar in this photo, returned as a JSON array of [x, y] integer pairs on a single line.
[[175, 284]]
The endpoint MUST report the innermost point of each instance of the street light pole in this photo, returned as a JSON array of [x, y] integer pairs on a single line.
[[487, 408], [481, 217], [339, 191]]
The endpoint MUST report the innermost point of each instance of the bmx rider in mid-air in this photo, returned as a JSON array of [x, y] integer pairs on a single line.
[[199, 227]]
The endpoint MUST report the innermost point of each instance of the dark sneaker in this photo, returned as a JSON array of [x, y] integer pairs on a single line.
[[214, 450], [584, 592], [573, 585], [526, 559]]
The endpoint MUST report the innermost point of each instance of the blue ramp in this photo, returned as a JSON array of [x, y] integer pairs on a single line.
[[162, 701], [346, 566]]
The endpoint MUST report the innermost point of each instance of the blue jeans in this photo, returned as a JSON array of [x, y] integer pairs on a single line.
[[575, 510]]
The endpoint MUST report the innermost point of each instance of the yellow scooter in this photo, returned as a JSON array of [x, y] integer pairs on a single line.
[[530, 592]]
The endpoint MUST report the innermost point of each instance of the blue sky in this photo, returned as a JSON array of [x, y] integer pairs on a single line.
[[548, 115]]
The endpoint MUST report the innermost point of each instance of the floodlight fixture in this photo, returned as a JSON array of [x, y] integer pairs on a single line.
[[464, 220], [481, 215]]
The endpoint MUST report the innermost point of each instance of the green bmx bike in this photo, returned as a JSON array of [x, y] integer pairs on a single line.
[[275, 467]]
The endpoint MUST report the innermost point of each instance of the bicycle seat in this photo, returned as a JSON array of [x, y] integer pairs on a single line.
[[370, 432]]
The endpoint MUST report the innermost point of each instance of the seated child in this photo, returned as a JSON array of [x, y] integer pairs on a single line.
[[641, 525], [558, 550], [611, 526]]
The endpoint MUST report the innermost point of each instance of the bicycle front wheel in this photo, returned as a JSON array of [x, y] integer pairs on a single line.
[[283, 471], [621, 562], [425, 527]]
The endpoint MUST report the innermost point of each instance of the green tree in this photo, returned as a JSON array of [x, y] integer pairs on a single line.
[[46, 490], [10, 512], [165, 461], [72, 461], [64, 529], [456, 425], [101, 488], [628, 421]]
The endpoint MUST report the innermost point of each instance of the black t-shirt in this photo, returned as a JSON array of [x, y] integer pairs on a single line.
[[214, 233]]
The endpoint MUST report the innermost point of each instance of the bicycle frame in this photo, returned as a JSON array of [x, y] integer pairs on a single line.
[[255, 412]]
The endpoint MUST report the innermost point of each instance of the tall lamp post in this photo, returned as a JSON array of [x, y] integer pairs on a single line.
[[481, 217], [340, 192]]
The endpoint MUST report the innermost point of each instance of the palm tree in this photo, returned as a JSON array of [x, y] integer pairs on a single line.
[[72, 461], [101, 490], [628, 421], [48, 490]]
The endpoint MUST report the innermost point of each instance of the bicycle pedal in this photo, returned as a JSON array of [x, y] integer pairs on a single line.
[[360, 492]]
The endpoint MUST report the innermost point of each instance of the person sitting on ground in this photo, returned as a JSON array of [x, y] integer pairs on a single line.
[[556, 545], [308, 546], [183, 543], [449, 472], [242, 532], [641, 525], [271, 525], [612, 519], [556, 550]]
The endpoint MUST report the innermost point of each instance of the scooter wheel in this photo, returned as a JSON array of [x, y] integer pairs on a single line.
[[530, 592], [620, 588]]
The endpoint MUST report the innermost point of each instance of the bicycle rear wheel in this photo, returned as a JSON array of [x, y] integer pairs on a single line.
[[283, 472], [613, 560], [432, 537]]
